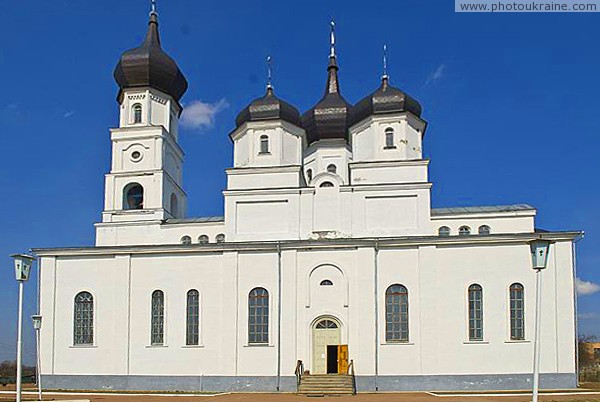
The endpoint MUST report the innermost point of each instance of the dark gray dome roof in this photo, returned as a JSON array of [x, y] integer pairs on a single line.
[[386, 99], [329, 118], [268, 107], [149, 66]]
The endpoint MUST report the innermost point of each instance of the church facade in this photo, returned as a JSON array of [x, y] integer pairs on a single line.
[[329, 254]]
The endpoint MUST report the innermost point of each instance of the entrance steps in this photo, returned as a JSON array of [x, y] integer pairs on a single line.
[[326, 384]]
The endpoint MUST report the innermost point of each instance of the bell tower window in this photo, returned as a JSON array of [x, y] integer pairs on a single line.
[[174, 205], [309, 175], [137, 113], [133, 196], [264, 144], [389, 138]]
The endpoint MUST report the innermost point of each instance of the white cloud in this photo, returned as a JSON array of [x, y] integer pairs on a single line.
[[588, 316], [69, 114], [437, 74], [586, 287], [198, 115]]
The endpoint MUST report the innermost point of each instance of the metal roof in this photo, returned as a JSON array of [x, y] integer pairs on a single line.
[[200, 219], [482, 209], [149, 66], [385, 99], [268, 107]]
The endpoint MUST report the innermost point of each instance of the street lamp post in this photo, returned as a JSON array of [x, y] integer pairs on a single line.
[[539, 261], [23, 264], [37, 325]]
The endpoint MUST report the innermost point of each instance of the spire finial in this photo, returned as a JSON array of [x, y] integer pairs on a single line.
[[269, 74], [385, 75], [332, 39], [153, 7]]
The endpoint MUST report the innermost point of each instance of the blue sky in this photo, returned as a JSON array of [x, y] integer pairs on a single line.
[[511, 100]]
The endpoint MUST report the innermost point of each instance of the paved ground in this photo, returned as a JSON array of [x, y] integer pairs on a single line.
[[396, 397]]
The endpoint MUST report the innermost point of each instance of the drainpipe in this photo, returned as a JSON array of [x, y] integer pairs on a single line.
[[376, 266], [574, 252], [278, 316]]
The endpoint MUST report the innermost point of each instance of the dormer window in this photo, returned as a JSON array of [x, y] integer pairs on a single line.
[[389, 138], [484, 230], [444, 231], [186, 240], [137, 113], [464, 231], [264, 144], [332, 168]]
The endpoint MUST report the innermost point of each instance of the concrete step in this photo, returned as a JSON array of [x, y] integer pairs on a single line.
[[325, 384]]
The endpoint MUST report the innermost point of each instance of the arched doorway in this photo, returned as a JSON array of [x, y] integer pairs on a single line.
[[326, 340]]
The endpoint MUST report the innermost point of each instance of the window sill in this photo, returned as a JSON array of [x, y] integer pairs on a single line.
[[83, 346], [192, 346], [517, 341], [399, 343], [392, 147], [259, 345], [156, 346], [482, 342], [264, 153]]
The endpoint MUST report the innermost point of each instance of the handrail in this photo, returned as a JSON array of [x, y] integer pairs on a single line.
[[351, 372], [299, 371]]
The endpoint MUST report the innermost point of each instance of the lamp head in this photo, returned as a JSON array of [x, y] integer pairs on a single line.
[[539, 253], [23, 263], [37, 321]]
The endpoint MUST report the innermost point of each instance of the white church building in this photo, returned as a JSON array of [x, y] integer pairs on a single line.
[[328, 259]]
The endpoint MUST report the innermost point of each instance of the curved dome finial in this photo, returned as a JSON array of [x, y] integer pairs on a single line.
[[385, 77]]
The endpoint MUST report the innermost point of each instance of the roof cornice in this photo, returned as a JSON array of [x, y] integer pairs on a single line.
[[307, 245]]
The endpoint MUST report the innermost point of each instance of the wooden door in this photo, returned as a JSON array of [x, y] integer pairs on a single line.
[[342, 359]]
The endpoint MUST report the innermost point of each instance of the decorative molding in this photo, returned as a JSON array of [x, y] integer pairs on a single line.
[[136, 97], [158, 99]]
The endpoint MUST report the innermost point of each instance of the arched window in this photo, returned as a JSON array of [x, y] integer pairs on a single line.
[[484, 230], [331, 168], [133, 196], [475, 313], [157, 327], [326, 184], [203, 239], [264, 144], [137, 113], [192, 335], [309, 175], [396, 314], [220, 238], [83, 319], [464, 231], [326, 282], [174, 205], [517, 312], [258, 316], [187, 240], [389, 138], [444, 231], [326, 324]]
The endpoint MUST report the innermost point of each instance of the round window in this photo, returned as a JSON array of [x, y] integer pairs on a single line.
[[136, 156]]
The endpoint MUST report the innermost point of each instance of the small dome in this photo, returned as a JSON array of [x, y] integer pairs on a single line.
[[386, 99], [268, 107], [149, 66], [329, 118]]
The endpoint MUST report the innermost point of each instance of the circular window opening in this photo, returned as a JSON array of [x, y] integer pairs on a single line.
[[136, 156]]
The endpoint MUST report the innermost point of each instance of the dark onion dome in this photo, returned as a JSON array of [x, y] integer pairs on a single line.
[[386, 99], [329, 118], [149, 66], [268, 107]]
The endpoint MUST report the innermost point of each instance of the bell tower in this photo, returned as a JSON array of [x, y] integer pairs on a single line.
[[145, 180]]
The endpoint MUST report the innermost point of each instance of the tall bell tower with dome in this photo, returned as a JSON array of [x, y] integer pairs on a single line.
[[145, 180]]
